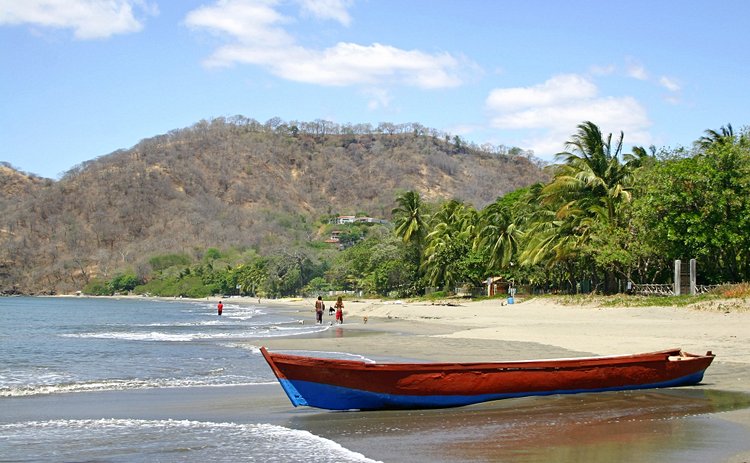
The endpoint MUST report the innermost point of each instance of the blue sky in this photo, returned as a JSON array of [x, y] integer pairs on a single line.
[[83, 78]]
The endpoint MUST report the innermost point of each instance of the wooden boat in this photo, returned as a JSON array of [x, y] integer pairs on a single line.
[[345, 384]]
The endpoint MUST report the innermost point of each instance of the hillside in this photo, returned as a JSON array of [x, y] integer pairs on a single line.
[[227, 183]]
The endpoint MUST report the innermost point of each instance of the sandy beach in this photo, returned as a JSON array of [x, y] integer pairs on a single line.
[[464, 327], [709, 422], [541, 328]]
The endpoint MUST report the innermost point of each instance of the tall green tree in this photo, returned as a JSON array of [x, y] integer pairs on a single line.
[[592, 173], [713, 138], [699, 207], [499, 232], [410, 218], [448, 246], [591, 188]]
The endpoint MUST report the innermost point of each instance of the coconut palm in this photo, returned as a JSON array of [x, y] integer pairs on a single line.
[[587, 195], [448, 243], [410, 218], [725, 135], [592, 174], [499, 233], [553, 231]]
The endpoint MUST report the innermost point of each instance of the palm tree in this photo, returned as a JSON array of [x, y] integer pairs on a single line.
[[587, 195], [410, 218], [499, 233], [725, 135], [554, 234], [592, 174], [448, 243]]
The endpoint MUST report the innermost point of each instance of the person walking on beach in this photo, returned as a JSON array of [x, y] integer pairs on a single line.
[[339, 310], [220, 307], [319, 306]]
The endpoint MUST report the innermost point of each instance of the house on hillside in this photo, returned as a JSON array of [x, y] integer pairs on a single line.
[[334, 237], [369, 220], [351, 219], [344, 219], [351, 233]]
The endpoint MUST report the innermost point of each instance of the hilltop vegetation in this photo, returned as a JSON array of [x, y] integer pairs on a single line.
[[235, 206], [235, 185], [604, 218]]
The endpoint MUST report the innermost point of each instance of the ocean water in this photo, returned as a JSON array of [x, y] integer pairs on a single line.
[[54, 351], [59, 345]]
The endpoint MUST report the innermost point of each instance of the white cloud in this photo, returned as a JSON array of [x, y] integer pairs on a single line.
[[257, 35], [636, 70], [349, 64], [669, 83], [544, 116], [89, 19], [244, 21], [623, 112], [328, 9], [379, 98], [605, 70], [559, 89]]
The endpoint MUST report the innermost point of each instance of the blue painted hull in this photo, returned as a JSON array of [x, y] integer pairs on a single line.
[[340, 398]]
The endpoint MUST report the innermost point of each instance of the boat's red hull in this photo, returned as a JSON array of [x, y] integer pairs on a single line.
[[344, 384]]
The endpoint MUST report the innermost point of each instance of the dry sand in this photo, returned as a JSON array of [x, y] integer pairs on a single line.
[[592, 330]]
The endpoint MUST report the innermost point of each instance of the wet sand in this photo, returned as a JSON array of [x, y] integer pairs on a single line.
[[671, 425]]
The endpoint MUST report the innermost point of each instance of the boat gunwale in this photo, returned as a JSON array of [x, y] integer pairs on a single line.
[[513, 365]]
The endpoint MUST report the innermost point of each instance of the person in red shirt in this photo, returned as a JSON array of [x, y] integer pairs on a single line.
[[220, 307], [339, 310]]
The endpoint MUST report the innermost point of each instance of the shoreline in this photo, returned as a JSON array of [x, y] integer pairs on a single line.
[[587, 329], [594, 330], [712, 418]]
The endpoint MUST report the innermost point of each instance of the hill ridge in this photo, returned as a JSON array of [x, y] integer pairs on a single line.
[[230, 182]]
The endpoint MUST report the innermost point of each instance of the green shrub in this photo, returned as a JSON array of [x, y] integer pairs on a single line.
[[97, 288], [165, 261], [211, 254], [124, 282], [190, 286], [437, 295]]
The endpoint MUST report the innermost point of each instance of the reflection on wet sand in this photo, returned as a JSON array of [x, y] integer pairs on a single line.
[[655, 425]]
